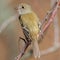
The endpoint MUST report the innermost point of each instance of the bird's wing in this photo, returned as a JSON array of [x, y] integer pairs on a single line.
[[25, 30], [27, 39]]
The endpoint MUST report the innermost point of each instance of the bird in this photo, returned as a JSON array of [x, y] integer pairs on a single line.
[[30, 23]]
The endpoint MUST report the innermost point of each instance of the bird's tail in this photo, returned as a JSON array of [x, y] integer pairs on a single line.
[[36, 51]]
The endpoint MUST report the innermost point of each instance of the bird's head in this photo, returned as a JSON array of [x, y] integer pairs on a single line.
[[24, 8]]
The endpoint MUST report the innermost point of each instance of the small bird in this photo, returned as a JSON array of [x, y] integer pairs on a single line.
[[31, 23]]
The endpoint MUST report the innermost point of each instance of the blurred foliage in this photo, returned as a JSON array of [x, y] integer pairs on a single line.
[[5, 10]]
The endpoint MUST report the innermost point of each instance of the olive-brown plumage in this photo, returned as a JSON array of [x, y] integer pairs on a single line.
[[31, 21]]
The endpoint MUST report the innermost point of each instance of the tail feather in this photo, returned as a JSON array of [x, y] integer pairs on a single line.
[[36, 51]]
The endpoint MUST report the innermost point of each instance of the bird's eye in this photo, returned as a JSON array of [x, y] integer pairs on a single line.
[[23, 7]]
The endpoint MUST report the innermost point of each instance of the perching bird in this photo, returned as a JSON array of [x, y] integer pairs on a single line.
[[31, 24]]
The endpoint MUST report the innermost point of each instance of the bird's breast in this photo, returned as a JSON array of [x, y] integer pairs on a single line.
[[29, 20]]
